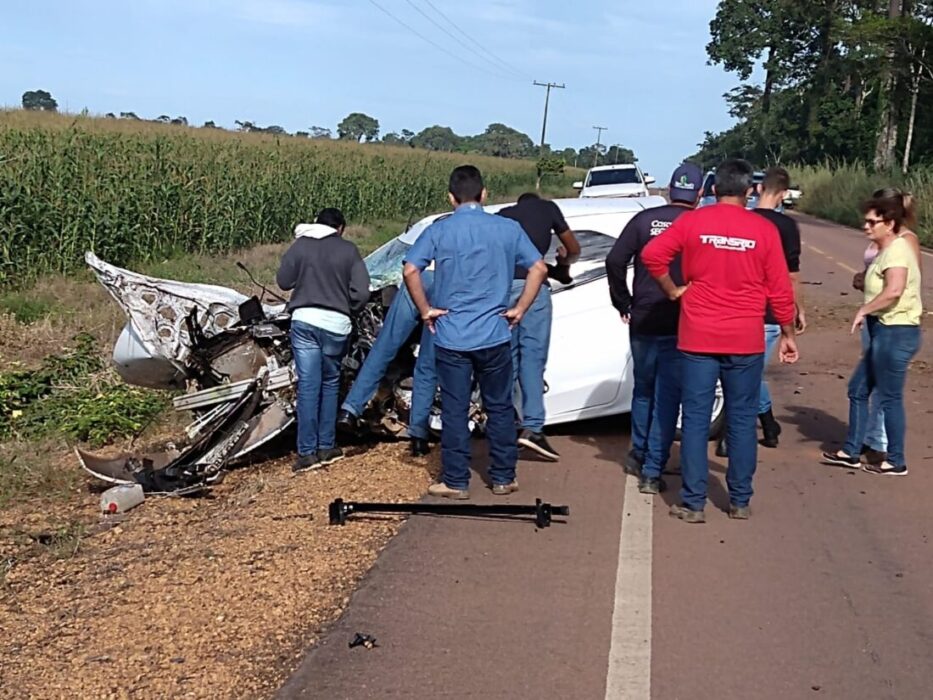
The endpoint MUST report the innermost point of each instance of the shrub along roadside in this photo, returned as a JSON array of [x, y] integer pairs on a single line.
[[834, 191], [71, 398]]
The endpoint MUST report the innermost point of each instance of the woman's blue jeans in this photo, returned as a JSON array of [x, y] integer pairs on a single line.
[[875, 437], [882, 371]]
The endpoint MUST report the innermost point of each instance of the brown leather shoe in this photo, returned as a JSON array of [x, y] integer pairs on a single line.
[[504, 489], [444, 491]]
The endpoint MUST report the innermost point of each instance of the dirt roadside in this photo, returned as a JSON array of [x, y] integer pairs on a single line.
[[190, 598]]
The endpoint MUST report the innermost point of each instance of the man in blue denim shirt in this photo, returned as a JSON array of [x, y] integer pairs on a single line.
[[400, 322], [475, 255]]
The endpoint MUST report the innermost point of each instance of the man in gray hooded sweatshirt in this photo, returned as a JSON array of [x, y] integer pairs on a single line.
[[329, 283]]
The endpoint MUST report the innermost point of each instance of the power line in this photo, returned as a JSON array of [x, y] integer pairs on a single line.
[[448, 32], [432, 42], [506, 64]]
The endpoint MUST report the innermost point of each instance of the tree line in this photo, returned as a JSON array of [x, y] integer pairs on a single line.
[[497, 139], [839, 80]]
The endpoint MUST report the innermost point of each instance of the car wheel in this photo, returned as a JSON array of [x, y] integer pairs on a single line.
[[717, 420]]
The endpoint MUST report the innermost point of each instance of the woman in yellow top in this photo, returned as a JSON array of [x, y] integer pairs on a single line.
[[875, 449], [892, 313]]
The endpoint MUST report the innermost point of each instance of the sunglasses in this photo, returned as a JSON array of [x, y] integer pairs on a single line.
[[871, 223]]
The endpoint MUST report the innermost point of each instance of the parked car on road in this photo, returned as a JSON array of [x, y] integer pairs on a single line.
[[589, 369], [615, 181]]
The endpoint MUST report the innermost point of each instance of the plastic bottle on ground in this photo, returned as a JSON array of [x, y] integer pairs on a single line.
[[122, 498]]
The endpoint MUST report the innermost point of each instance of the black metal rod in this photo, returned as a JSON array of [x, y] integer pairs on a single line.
[[340, 509]]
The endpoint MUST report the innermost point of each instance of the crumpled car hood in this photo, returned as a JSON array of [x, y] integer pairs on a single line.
[[157, 308]]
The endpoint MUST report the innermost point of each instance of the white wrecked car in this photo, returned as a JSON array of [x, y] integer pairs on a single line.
[[231, 354]]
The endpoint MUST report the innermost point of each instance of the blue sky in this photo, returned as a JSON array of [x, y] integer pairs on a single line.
[[636, 67]]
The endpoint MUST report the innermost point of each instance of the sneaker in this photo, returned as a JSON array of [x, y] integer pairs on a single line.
[[739, 512], [538, 443], [651, 486], [504, 489], [307, 462], [870, 456], [444, 491], [633, 463], [330, 455], [347, 422], [885, 468], [687, 515], [840, 459]]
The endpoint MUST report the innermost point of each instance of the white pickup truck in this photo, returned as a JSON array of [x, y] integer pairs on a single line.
[[615, 181]]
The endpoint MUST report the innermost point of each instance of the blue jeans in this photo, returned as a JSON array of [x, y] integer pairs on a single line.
[[645, 366], [530, 343], [882, 371], [661, 362], [318, 354], [492, 368], [741, 383], [400, 322], [772, 336], [875, 436]]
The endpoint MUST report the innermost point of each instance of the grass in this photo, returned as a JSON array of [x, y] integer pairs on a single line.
[[835, 191]]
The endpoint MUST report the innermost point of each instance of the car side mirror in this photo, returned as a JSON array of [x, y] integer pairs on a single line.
[[649, 180], [578, 185]]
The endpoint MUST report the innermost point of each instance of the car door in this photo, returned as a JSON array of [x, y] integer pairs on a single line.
[[589, 368]]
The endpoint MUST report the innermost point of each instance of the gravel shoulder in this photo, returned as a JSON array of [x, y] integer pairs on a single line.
[[211, 597]]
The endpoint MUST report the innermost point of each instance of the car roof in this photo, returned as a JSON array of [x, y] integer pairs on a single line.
[[570, 207], [618, 166]]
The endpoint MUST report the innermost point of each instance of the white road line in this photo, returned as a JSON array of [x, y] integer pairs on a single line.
[[629, 675]]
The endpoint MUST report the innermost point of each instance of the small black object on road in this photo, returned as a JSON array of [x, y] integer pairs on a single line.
[[543, 512], [363, 640]]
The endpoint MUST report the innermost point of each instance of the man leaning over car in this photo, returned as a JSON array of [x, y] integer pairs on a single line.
[[540, 219], [652, 319]]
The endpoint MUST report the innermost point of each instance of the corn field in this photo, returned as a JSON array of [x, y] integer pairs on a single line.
[[135, 193]]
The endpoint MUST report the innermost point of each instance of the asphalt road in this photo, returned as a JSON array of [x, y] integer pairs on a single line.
[[827, 592]]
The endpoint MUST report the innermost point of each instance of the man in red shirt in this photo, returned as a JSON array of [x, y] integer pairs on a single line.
[[733, 267]]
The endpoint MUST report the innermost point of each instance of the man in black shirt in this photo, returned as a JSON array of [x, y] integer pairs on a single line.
[[653, 321], [540, 219], [772, 191]]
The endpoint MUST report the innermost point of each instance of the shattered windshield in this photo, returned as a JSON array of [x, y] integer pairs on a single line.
[[385, 264]]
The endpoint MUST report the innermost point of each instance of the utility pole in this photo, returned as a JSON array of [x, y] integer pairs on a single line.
[[599, 135], [547, 100]]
